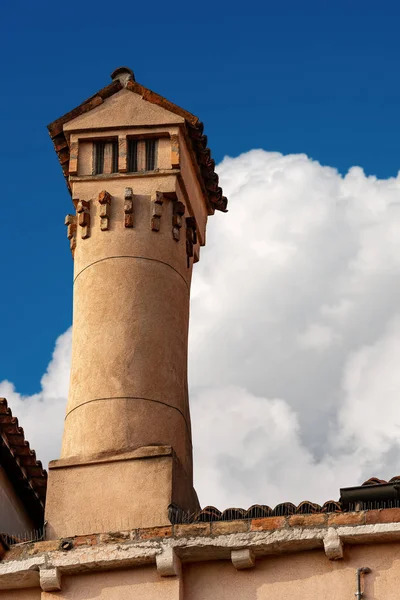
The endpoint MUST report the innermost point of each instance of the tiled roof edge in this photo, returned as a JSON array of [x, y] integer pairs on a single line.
[[206, 164], [377, 481], [257, 511], [24, 457], [351, 520]]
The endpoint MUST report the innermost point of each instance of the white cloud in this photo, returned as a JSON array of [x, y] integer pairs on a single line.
[[317, 337], [294, 337], [42, 415]]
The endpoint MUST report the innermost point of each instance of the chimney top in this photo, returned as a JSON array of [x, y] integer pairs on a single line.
[[123, 74]]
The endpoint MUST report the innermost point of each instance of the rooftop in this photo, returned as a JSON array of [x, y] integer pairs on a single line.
[[22, 468], [123, 78]]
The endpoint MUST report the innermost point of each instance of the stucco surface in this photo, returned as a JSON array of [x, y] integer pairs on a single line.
[[108, 496], [302, 576], [121, 110], [289, 562], [28, 594], [143, 584], [130, 327], [139, 240]]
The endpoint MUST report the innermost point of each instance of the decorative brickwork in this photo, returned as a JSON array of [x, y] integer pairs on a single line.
[[177, 216], [128, 207], [191, 237], [70, 222], [193, 128], [83, 212], [156, 211], [105, 208]]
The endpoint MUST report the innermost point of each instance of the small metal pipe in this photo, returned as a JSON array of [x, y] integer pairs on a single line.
[[361, 571]]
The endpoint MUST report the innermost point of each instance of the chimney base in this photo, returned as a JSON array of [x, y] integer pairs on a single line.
[[116, 492]]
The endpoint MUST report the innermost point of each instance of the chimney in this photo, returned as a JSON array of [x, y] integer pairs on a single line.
[[143, 184]]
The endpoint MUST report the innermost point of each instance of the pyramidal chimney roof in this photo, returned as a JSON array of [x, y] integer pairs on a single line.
[[123, 78]]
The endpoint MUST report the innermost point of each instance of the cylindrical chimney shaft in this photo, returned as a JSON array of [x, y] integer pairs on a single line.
[[128, 384]]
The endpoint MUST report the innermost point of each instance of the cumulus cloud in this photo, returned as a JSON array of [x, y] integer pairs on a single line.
[[294, 337], [296, 301], [42, 415]]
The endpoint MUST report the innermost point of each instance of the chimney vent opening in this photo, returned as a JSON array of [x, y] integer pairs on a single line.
[[123, 74]]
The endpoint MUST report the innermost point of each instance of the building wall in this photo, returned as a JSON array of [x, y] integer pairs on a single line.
[[133, 584], [28, 594], [13, 518], [303, 576]]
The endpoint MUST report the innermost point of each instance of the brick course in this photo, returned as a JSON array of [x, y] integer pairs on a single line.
[[228, 527], [386, 515], [155, 532], [317, 520], [192, 529], [267, 523], [337, 519], [215, 528]]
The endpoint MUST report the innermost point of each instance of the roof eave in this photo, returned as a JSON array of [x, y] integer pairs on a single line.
[[206, 165]]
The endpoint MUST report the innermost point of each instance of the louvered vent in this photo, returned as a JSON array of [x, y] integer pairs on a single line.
[[98, 158], [132, 156], [151, 153]]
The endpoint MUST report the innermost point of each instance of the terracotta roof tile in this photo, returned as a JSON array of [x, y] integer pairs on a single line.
[[285, 509], [257, 511], [194, 127], [376, 481]]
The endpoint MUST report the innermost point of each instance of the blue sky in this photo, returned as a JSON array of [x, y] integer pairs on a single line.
[[311, 77]]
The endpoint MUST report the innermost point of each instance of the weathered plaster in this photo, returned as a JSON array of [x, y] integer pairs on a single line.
[[168, 553]]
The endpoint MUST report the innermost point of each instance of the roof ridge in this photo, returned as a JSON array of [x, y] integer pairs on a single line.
[[206, 165]]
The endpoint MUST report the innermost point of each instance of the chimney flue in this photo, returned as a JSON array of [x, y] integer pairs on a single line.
[[123, 74], [141, 214]]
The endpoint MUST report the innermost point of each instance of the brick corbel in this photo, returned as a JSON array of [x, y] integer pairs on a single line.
[[177, 215], [105, 206], [128, 207], [156, 210], [83, 210], [70, 222]]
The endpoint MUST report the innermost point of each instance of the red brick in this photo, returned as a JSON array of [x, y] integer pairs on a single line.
[[155, 532], [337, 519], [192, 530], [228, 527], [267, 523], [114, 538], [85, 540], [386, 515], [45, 546], [14, 553], [307, 520]]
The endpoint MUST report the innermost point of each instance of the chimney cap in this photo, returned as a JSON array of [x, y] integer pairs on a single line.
[[124, 74]]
